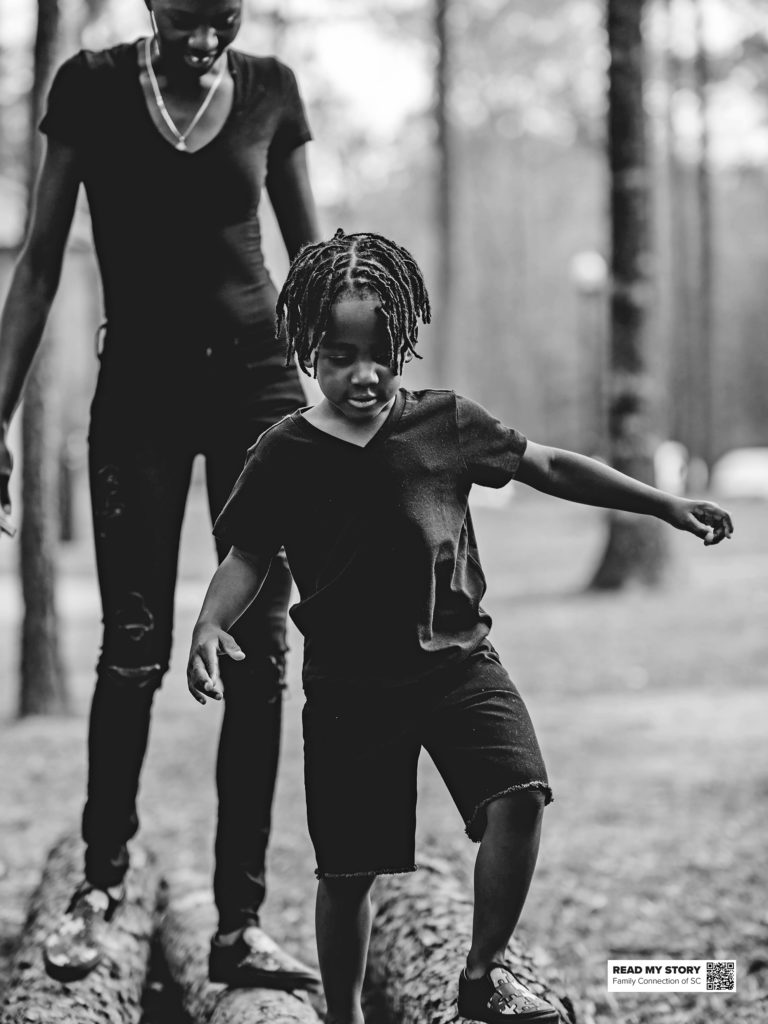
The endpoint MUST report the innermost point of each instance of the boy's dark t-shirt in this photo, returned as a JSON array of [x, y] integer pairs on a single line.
[[379, 539]]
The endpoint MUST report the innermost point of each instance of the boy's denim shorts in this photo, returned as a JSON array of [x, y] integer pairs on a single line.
[[361, 752]]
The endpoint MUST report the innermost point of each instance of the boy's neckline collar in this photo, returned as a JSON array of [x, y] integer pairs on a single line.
[[393, 416]]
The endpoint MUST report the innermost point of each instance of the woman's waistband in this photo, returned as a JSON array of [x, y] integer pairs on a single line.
[[181, 346]]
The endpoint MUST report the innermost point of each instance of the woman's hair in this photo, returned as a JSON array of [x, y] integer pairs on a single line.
[[357, 264]]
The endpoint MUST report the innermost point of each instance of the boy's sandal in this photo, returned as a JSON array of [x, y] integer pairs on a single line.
[[500, 998], [75, 946], [254, 960]]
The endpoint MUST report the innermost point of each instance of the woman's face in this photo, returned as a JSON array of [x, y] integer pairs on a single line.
[[194, 33]]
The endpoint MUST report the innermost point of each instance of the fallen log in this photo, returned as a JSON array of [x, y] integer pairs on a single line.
[[187, 924], [112, 993], [421, 933]]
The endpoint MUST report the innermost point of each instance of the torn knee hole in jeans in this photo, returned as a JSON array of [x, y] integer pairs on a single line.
[[134, 618], [277, 661], [141, 676], [277, 664], [130, 624]]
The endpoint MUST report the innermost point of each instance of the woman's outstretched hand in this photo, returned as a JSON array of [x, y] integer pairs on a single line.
[[705, 519], [203, 678]]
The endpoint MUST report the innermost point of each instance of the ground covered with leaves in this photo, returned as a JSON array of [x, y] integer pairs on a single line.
[[650, 708]]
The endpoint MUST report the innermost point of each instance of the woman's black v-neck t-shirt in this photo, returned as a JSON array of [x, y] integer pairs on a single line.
[[177, 234], [379, 538]]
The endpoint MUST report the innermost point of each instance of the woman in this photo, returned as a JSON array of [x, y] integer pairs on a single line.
[[174, 137]]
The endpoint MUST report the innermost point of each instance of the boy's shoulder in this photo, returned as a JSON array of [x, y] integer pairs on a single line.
[[430, 400], [441, 402], [276, 437]]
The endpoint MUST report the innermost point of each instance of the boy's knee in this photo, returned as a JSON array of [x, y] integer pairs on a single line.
[[524, 805], [347, 888]]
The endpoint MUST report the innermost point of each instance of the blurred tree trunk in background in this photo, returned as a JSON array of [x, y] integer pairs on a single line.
[[43, 688], [636, 549], [705, 427], [682, 245], [445, 362], [74, 24]]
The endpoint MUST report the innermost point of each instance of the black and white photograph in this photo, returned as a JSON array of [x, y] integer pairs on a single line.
[[383, 504]]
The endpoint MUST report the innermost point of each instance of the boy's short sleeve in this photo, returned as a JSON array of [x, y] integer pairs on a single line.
[[293, 127], [251, 519], [66, 117], [491, 450]]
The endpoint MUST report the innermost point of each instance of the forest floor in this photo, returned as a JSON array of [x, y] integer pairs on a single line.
[[650, 708]]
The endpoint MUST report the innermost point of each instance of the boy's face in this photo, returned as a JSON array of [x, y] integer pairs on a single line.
[[353, 368]]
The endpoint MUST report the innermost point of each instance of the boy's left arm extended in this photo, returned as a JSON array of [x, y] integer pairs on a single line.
[[234, 586], [575, 477]]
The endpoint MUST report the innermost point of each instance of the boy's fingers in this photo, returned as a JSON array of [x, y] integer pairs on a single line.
[[207, 654], [192, 689], [727, 524], [698, 526], [718, 521], [202, 681], [228, 645]]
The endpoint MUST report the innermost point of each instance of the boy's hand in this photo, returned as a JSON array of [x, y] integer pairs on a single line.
[[705, 519], [203, 666]]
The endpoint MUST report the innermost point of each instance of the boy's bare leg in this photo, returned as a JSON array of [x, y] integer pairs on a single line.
[[503, 872], [343, 926]]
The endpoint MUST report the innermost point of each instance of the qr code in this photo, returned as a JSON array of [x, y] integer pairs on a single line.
[[721, 975]]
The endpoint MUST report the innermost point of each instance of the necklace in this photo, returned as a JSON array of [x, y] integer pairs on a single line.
[[181, 137]]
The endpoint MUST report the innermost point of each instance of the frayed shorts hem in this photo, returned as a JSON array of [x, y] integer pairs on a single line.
[[471, 824], [365, 874]]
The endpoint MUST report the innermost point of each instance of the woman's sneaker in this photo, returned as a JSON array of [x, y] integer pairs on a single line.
[[75, 946], [254, 960], [500, 998]]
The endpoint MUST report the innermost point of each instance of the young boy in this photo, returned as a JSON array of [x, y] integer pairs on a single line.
[[367, 491]]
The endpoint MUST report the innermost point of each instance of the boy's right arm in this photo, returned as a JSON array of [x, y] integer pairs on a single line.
[[235, 584], [33, 285]]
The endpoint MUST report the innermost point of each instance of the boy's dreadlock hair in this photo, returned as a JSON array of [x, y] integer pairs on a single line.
[[358, 263]]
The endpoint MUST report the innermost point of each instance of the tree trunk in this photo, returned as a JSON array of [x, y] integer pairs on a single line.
[[421, 933], [187, 925], [704, 356], [445, 361], [636, 549], [112, 993], [43, 686], [681, 243]]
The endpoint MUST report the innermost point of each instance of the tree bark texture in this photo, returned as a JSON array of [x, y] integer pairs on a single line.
[[42, 686], [636, 550], [421, 934], [705, 405], [187, 925], [681, 339], [445, 187], [112, 993]]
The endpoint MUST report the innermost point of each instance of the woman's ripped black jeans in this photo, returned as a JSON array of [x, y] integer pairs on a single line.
[[148, 422]]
